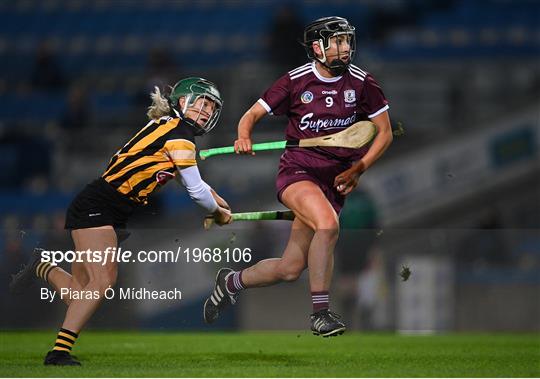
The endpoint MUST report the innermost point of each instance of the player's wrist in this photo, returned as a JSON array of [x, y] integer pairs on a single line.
[[222, 215], [359, 168], [243, 136]]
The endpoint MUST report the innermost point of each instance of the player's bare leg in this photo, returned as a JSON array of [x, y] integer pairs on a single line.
[[98, 276], [60, 279], [311, 206], [264, 273], [318, 239], [313, 237], [53, 275], [287, 268], [94, 278]]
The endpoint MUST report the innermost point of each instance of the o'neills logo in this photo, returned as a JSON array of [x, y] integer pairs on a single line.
[[305, 122]]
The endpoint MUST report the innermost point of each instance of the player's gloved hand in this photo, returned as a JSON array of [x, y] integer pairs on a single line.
[[222, 216], [243, 146], [347, 180]]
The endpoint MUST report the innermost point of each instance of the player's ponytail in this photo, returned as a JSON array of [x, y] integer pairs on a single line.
[[160, 106]]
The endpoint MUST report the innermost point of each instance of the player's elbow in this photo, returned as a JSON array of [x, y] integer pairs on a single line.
[[248, 119], [196, 196], [389, 138], [202, 196], [386, 136], [199, 198], [255, 113], [197, 192]]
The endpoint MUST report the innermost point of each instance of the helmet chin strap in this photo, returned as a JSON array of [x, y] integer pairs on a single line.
[[197, 130], [336, 67]]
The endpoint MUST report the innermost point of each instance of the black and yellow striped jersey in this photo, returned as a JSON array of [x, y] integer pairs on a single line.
[[150, 158]]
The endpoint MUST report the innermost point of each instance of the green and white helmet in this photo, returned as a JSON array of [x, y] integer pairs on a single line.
[[192, 89]]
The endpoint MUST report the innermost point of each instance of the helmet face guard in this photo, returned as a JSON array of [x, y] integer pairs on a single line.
[[193, 89], [321, 31]]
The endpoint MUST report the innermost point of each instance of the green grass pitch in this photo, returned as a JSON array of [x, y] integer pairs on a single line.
[[270, 354]]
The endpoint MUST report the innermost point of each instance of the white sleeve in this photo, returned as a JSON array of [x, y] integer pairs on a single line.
[[198, 190]]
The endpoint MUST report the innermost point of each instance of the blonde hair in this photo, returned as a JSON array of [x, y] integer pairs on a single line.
[[160, 106]]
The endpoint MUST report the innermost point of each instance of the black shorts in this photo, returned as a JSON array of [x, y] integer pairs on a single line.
[[99, 204]]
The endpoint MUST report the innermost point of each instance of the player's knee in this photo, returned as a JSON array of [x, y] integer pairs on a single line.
[[103, 281], [109, 279], [290, 276], [328, 226], [291, 273], [327, 221]]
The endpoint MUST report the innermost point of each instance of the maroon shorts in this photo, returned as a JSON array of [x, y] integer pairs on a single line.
[[300, 164]]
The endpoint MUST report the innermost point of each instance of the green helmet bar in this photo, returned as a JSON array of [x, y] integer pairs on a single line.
[[192, 89]]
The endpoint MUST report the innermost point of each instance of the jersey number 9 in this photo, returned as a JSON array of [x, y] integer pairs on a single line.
[[329, 101]]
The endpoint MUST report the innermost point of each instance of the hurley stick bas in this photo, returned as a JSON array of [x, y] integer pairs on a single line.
[[354, 137], [253, 216]]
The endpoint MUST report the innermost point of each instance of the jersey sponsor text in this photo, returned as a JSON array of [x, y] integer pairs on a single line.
[[316, 126]]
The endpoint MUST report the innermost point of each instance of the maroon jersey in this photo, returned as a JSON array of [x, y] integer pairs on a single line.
[[318, 106]]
